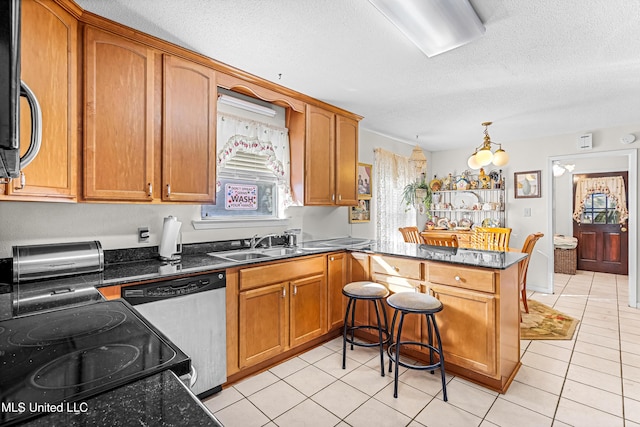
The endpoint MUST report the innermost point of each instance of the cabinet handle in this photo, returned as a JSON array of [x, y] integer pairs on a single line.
[[168, 190], [23, 181], [330, 258], [150, 189], [397, 269], [284, 292], [295, 290], [333, 197], [457, 278], [340, 197]]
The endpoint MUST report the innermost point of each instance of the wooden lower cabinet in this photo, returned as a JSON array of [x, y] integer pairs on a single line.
[[474, 345], [336, 279], [263, 322], [275, 317], [307, 309], [358, 271], [111, 292]]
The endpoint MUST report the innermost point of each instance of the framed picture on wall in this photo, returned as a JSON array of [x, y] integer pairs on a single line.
[[360, 213], [527, 184], [364, 179]]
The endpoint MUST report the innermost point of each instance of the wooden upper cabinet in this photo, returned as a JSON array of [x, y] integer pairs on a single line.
[[319, 183], [331, 158], [346, 161], [188, 132], [119, 118], [49, 67]]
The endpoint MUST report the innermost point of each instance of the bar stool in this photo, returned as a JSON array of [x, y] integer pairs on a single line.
[[366, 291], [416, 303]]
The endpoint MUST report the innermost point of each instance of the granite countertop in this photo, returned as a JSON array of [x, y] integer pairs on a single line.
[[123, 271], [159, 400], [500, 260]]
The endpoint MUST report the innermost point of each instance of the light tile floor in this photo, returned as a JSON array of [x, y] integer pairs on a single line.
[[591, 380]]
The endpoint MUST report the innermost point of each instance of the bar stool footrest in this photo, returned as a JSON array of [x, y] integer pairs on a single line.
[[386, 336], [391, 352]]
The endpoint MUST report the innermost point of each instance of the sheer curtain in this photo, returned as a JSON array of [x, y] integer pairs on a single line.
[[612, 186], [392, 173], [236, 134]]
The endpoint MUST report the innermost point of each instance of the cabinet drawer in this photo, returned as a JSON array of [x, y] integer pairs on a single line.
[[254, 277], [461, 277], [396, 284], [393, 266]]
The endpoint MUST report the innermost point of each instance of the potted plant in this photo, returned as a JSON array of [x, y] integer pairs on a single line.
[[417, 193]]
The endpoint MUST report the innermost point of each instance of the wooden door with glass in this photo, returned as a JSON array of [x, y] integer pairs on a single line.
[[603, 241]]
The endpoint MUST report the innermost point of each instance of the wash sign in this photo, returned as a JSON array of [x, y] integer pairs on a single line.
[[241, 197]]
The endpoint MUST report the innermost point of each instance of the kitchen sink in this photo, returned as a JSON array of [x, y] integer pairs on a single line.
[[280, 251], [251, 254], [239, 255]]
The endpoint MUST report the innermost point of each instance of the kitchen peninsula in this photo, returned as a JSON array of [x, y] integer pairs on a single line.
[[479, 290]]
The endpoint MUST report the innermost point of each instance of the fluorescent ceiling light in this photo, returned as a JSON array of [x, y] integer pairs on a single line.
[[435, 26], [246, 105]]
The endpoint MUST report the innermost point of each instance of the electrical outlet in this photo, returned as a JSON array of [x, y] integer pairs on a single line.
[[143, 234], [527, 211]]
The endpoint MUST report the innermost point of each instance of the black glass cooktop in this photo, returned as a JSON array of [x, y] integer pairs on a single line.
[[70, 354]]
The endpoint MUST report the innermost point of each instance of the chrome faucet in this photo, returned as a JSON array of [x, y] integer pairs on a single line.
[[255, 240]]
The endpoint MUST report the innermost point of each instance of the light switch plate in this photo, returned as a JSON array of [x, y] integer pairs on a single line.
[[585, 142]]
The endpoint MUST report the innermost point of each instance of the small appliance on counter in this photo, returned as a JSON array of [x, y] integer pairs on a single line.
[[170, 244], [50, 276]]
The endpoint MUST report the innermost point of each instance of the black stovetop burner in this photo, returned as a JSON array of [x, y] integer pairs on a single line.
[[70, 354]]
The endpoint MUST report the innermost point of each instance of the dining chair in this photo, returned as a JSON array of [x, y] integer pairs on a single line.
[[491, 238], [411, 234], [438, 239], [527, 248]]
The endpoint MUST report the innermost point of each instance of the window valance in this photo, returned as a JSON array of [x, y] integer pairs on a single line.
[[237, 134], [611, 186]]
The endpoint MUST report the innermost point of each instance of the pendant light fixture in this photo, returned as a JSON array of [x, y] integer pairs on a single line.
[[483, 155], [418, 159]]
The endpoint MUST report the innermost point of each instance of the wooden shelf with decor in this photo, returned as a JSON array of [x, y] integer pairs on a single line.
[[465, 208], [362, 211]]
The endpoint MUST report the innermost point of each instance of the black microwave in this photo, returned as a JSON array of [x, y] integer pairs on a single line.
[[11, 89]]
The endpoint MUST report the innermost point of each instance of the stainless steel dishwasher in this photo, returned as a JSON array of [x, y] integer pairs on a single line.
[[190, 311]]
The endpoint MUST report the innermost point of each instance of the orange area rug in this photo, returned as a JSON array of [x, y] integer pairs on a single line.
[[544, 323]]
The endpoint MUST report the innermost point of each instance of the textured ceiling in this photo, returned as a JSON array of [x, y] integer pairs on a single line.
[[543, 67]]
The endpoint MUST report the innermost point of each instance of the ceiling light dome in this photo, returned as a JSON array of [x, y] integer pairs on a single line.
[[473, 162], [500, 157]]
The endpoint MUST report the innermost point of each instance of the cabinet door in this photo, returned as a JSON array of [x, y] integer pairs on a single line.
[[263, 323], [346, 161], [319, 182], [308, 309], [188, 132], [359, 271], [49, 68], [119, 107], [472, 346], [337, 278]]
